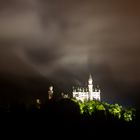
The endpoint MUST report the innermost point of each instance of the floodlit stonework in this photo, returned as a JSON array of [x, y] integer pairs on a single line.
[[87, 93]]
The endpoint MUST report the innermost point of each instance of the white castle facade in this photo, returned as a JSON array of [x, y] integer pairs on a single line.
[[87, 93]]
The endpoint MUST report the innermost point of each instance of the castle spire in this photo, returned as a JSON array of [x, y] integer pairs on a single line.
[[90, 76], [90, 80]]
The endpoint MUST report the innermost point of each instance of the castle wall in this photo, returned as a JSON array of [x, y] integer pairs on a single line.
[[95, 95], [84, 95]]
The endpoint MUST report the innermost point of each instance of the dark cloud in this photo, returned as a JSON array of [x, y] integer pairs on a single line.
[[66, 40]]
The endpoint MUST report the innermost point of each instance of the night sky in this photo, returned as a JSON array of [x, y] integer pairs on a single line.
[[60, 42]]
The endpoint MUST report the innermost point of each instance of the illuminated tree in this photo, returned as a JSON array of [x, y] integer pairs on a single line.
[[95, 109], [115, 110], [100, 107], [129, 114], [81, 104]]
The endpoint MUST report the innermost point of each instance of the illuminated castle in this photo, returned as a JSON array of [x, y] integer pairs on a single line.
[[50, 92], [87, 93]]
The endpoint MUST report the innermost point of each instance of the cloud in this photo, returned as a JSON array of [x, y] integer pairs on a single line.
[[69, 38]]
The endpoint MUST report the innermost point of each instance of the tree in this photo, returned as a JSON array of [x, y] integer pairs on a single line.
[[129, 114]]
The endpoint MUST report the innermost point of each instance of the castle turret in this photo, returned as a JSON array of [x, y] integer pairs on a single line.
[[90, 80], [90, 86], [50, 92]]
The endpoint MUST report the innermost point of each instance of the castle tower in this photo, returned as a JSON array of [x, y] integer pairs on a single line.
[[90, 86], [50, 92]]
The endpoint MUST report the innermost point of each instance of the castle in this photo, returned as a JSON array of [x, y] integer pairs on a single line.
[[87, 93], [50, 92]]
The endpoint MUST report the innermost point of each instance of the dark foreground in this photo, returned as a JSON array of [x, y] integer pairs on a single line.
[[61, 118]]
